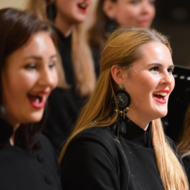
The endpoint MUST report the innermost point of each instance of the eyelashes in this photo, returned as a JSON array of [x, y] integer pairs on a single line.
[[33, 66], [156, 69], [30, 66]]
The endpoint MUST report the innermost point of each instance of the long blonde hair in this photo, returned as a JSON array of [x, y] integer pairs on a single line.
[[81, 54], [122, 49], [184, 142]]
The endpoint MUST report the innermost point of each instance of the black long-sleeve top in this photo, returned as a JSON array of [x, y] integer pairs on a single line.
[[64, 104], [34, 169], [97, 159]]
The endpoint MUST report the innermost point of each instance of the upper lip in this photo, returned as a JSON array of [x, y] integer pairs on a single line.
[[40, 92], [83, 3], [144, 20], [163, 90]]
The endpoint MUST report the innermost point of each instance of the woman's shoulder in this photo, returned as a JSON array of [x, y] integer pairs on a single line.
[[92, 157], [96, 134], [46, 145], [95, 140]]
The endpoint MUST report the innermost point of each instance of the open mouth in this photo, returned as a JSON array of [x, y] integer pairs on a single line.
[[82, 7], [36, 100], [160, 97], [144, 23]]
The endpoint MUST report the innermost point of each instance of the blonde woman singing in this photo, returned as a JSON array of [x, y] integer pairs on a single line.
[[118, 142]]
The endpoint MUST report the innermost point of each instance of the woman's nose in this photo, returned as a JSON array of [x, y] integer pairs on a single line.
[[167, 78], [48, 78], [147, 8]]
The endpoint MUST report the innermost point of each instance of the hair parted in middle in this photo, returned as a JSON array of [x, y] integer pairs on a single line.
[[123, 49]]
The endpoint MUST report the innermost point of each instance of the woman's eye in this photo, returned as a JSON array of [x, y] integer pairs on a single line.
[[154, 69], [170, 70], [30, 66], [135, 2], [51, 65]]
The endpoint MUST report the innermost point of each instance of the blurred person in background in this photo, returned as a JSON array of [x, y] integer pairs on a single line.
[[27, 77], [184, 143], [66, 17], [111, 14]]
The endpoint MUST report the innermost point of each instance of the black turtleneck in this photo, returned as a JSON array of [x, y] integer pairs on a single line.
[[98, 159]]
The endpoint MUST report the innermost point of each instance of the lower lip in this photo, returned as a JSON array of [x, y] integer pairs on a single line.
[[83, 11], [143, 25], [38, 105], [160, 100]]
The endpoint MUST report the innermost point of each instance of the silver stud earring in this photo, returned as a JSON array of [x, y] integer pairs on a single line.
[[121, 86]]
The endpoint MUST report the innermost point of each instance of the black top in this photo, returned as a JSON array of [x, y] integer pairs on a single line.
[[96, 159], [64, 104], [28, 170], [186, 162]]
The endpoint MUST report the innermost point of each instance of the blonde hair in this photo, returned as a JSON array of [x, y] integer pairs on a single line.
[[184, 142], [122, 49], [81, 55]]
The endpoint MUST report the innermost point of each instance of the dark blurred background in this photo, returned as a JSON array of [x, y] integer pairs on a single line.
[[173, 20]]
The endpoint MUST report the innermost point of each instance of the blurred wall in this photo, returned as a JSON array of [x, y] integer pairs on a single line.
[[13, 3], [173, 20]]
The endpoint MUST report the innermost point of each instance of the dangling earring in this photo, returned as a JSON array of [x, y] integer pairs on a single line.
[[123, 100]]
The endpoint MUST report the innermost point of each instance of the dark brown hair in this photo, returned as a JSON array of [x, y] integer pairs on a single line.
[[16, 27]]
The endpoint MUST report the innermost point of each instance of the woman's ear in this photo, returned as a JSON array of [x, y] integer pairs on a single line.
[[118, 74], [109, 9]]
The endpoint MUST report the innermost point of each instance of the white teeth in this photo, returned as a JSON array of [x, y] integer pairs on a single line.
[[161, 93]]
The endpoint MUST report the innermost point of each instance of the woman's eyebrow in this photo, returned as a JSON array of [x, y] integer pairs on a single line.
[[39, 57], [159, 64], [34, 57]]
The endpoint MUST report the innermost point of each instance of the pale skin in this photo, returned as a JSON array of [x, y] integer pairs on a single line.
[[70, 13], [137, 13], [144, 79], [27, 80]]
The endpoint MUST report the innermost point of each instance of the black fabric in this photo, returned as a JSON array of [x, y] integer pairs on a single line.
[[64, 104], [96, 159], [186, 162], [28, 170], [6, 131]]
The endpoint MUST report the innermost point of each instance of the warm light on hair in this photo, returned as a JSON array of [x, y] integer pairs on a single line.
[[122, 49]]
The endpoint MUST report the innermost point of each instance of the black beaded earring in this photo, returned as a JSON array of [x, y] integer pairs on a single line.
[[123, 100]]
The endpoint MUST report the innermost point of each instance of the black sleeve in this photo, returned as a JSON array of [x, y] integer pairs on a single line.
[[89, 164]]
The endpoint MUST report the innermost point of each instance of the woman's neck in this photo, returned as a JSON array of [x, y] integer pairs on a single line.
[[63, 26]]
